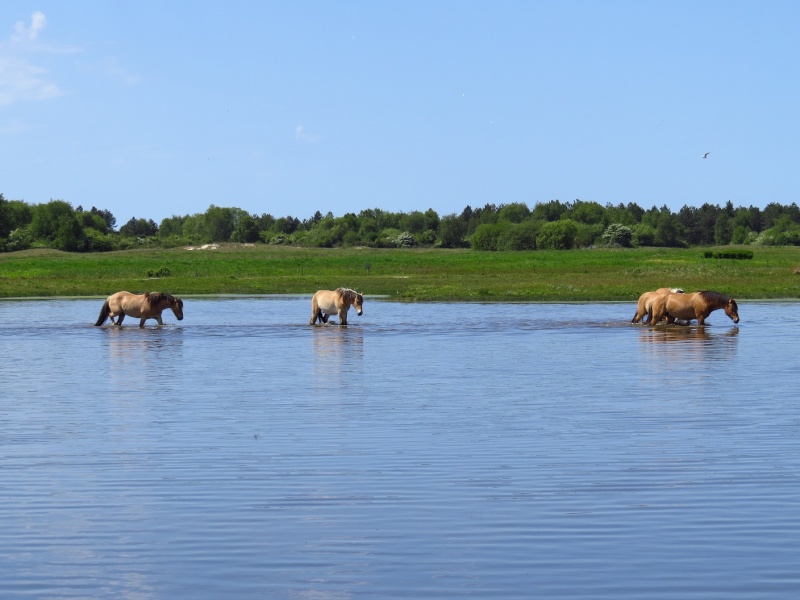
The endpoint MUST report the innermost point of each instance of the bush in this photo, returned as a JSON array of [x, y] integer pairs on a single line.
[[587, 235], [160, 272], [20, 239], [521, 236], [404, 240], [486, 236], [617, 234], [644, 235], [557, 235], [95, 241], [730, 254]]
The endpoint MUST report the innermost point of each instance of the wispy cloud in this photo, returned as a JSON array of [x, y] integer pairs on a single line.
[[115, 71], [20, 79], [301, 134], [28, 33], [16, 126]]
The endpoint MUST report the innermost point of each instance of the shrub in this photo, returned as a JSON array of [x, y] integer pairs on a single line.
[[617, 234], [96, 241], [404, 240], [519, 236], [644, 235], [20, 239], [486, 236], [730, 254], [557, 235], [160, 272]]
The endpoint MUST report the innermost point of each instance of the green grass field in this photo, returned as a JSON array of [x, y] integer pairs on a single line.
[[415, 274]]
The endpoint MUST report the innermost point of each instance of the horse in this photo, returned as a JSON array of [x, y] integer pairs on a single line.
[[140, 306], [644, 307], [327, 302], [692, 306]]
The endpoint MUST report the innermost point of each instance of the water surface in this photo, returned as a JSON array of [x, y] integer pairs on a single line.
[[427, 450]]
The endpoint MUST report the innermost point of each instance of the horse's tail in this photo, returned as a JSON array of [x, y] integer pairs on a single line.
[[316, 313], [104, 312]]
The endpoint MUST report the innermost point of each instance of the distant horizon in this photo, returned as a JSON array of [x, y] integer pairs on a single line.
[[440, 214]]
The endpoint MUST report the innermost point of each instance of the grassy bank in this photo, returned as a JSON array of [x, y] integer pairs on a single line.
[[597, 274]]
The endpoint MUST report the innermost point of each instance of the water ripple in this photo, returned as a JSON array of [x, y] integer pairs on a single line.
[[434, 450]]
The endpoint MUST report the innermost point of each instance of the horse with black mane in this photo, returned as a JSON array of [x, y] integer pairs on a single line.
[[692, 306], [139, 306]]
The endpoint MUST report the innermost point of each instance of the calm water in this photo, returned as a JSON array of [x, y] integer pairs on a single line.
[[426, 451]]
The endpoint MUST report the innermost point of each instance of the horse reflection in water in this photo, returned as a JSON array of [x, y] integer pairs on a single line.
[[337, 353], [136, 355], [676, 344]]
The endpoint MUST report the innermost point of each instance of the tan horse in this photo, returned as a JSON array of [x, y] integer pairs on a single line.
[[327, 302], [692, 306], [139, 306], [645, 305]]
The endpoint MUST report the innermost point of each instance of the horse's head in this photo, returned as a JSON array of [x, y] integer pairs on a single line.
[[358, 302], [732, 310], [176, 304]]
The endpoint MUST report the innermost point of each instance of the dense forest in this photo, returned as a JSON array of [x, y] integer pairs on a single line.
[[515, 226]]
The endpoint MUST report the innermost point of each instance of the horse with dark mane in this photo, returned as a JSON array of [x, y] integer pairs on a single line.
[[692, 306], [139, 306], [338, 301]]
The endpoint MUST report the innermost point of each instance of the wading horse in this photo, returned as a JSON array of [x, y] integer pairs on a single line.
[[139, 306], [692, 306], [327, 302], [645, 305]]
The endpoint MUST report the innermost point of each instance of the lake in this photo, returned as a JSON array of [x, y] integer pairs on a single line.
[[428, 450]]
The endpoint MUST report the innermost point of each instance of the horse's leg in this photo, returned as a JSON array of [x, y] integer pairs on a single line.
[[654, 317], [158, 318], [120, 316], [701, 319], [342, 317]]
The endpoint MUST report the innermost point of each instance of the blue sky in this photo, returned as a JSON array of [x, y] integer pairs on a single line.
[[153, 109]]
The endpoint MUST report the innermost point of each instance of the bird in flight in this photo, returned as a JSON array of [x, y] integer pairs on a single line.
[[706, 154]]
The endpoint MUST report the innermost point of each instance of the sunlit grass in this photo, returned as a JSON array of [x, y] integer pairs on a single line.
[[415, 274]]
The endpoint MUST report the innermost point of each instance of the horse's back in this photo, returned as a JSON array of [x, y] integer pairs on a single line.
[[326, 300], [118, 299], [131, 304], [682, 306]]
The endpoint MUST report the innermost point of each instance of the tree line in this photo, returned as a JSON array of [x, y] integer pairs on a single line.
[[514, 226]]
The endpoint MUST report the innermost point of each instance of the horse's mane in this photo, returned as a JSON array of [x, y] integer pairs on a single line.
[[710, 296], [347, 294], [156, 297], [715, 297]]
